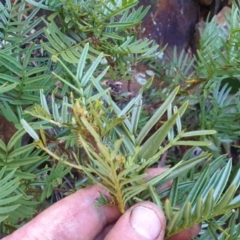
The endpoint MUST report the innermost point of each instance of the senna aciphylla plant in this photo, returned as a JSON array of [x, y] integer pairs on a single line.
[[95, 136], [110, 161], [115, 153]]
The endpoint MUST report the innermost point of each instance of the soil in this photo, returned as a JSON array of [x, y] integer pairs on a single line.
[[173, 22]]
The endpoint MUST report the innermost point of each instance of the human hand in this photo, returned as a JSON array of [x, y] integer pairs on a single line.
[[77, 218]]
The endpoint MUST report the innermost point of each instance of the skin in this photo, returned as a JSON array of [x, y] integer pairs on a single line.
[[76, 217]]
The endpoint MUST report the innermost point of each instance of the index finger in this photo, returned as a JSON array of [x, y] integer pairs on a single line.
[[75, 217]]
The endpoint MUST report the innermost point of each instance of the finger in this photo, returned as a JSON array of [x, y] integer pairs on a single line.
[[153, 172], [74, 217], [187, 234], [104, 232], [143, 221]]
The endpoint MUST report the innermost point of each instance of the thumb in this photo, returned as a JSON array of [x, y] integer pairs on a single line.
[[143, 221]]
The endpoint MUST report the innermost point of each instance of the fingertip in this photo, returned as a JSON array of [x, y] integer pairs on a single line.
[[144, 221], [149, 229], [187, 234], [74, 216]]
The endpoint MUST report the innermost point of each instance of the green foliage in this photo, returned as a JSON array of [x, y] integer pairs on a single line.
[[106, 26], [8, 186], [127, 157], [14, 31], [53, 179], [207, 199], [15, 204], [218, 54], [220, 112], [22, 77], [52, 85]]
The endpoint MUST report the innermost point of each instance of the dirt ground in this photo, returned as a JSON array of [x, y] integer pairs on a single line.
[[173, 22]]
